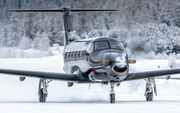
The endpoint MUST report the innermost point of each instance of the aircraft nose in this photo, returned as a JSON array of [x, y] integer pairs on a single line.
[[120, 62], [120, 68]]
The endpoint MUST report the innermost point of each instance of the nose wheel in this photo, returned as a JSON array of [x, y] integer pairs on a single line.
[[112, 98], [112, 94]]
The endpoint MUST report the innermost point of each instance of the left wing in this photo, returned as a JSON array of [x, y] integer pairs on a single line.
[[142, 75], [39, 74]]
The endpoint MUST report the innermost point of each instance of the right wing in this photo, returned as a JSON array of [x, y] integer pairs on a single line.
[[169, 78]]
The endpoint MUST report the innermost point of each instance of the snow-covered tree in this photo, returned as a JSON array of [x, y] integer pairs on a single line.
[[44, 42], [41, 42], [36, 42], [25, 43], [10, 36], [156, 20]]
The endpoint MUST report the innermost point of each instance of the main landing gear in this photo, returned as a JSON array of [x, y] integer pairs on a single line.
[[149, 89], [112, 94], [42, 92]]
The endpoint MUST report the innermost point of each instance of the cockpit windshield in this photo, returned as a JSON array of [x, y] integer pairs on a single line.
[[101, 45], [115, 45]]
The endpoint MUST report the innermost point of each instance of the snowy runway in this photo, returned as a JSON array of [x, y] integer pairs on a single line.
[[22, 97], [161, 104]]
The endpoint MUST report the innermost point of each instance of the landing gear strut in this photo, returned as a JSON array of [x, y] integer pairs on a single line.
[[112, 94], [42, 92], [149, 90]]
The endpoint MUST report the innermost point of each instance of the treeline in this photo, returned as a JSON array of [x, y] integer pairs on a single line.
[[18, 28]]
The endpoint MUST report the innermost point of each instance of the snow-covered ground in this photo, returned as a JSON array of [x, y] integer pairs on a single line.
[[21, 97]]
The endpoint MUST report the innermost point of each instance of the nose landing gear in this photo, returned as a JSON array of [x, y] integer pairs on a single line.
[[112, 94]]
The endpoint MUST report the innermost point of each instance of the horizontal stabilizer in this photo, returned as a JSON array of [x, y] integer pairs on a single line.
[[62, 10]]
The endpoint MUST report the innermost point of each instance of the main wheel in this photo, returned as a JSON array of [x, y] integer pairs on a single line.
[[149, 96], [112, 98], [42, 96]]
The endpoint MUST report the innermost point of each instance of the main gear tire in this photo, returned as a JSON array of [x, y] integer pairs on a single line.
[[42, 96], [149, 96]]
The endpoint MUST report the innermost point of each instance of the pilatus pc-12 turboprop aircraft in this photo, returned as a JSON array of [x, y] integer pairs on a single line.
[[96, 60]]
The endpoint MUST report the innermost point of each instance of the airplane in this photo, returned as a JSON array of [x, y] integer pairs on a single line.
[[101, 60]]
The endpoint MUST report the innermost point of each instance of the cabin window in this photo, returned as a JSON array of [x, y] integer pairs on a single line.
[[68, 52], [115, 45], [78, 50], [75, 51], [101, 45], [82, 51], [71, 55], [69, 49]]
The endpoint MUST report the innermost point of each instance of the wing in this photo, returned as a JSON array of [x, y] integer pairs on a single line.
[[142, 75], [169, 78], [49, 75]]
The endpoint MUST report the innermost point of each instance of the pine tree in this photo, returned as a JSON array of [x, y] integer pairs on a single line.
[[25, 43]]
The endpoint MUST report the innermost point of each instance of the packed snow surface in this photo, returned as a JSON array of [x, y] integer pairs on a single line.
[[22, 97]]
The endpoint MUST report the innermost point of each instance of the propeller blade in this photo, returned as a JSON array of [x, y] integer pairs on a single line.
[[107, 62], [131, 61]]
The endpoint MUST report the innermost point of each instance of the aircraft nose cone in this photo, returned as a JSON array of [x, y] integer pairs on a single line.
[[120, 62]]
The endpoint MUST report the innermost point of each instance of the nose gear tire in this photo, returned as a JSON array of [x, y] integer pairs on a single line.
[[112, 98]]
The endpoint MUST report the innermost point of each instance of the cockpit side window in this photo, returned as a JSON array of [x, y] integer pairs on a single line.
[[90, 48], [101, 45], [115, 45]]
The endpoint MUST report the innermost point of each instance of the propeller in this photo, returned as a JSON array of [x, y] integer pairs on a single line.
[[108, 62]]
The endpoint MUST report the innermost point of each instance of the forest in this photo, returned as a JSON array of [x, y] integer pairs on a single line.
[[138, 23]]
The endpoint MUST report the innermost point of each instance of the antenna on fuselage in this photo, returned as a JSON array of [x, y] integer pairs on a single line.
[[66, 18]]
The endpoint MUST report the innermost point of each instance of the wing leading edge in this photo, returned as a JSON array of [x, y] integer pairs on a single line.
[[142, 75], [38, 74]]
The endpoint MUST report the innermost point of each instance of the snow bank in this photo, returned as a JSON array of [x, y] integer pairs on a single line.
[[18, 53]]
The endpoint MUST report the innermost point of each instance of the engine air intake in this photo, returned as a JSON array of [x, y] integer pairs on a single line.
[[119, 70]]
